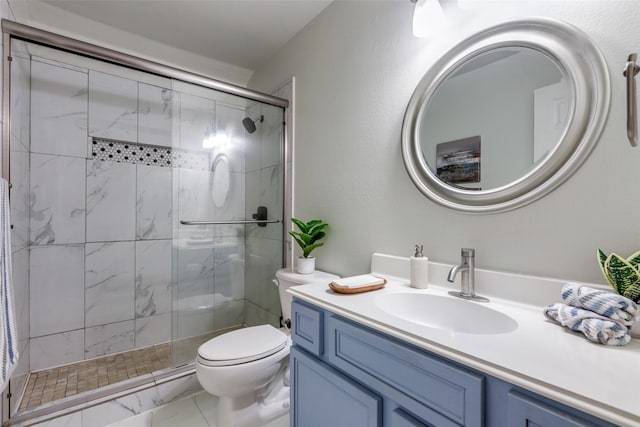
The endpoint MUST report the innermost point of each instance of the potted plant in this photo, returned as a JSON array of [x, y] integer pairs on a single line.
[[624, 277], [308, 239], [622, 274]]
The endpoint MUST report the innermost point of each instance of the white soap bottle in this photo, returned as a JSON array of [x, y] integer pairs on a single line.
[[419, 269]]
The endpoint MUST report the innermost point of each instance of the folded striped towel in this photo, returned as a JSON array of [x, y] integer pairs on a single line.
[[606, 303], [595, 327]]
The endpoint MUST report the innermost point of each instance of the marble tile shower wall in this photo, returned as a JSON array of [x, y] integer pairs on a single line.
[[103, 235]]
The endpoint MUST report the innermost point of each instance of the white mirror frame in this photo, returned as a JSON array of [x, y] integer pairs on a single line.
[[587, 75]]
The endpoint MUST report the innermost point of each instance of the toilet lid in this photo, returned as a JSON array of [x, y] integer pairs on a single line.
[[242, 346]]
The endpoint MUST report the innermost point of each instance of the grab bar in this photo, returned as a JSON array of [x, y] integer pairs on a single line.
[[630, 71], [231, 222]]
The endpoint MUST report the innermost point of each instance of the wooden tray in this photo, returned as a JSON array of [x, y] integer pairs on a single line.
[[357, 290]]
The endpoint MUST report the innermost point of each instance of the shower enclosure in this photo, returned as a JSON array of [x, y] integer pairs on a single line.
[[147, 207]]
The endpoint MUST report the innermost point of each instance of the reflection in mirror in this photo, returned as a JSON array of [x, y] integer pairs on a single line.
[[221, 178], [506, 116], [494, 117]]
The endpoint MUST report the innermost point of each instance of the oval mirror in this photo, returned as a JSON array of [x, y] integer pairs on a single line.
[[506, 116], [221, 178]]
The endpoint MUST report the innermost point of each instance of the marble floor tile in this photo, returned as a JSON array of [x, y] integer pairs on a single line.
[[140, 420], [183, 412], [207, 404], [71, 420], [198, 410]]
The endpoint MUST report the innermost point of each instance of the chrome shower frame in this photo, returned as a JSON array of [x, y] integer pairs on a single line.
[[13, 30]]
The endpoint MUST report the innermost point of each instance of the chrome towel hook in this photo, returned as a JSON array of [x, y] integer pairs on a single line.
[[630, 71]]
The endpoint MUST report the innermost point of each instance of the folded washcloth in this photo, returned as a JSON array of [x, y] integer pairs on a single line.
[[595, 327], [608, 304], [355, 282]]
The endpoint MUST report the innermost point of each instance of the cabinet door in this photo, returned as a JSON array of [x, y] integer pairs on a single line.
[[434, 390], [524, 411], [400, 418], [306, 327], [322, 397]]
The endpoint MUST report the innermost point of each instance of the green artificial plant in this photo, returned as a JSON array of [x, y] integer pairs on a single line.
[[309, 235], [622, 274]]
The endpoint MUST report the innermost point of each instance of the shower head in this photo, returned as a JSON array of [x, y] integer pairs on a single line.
[[250, 124]]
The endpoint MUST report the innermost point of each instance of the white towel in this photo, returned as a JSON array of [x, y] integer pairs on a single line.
[[595, 327], [355, 282], [8, 334], [606, 303]]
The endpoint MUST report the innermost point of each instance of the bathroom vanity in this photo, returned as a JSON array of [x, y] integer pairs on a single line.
[[357, 362]]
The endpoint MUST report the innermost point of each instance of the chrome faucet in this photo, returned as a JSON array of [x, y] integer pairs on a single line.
[[467, 279]]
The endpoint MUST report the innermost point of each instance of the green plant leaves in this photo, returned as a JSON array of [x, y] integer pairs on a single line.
[[307, 250], [622, 274], [309, 235], [602, 257], [301, 225], [635, 260], [633, 292], [300, 242]]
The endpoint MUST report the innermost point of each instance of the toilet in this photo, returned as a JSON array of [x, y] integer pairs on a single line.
[[248, 369]]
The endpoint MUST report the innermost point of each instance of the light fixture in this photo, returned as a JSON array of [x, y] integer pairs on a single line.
[[213, 136], [215, 139], [428, 18]]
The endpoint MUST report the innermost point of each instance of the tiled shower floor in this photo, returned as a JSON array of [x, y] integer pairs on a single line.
[[68, 380], [64, 381]]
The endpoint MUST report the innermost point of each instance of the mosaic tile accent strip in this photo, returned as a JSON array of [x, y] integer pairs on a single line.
[[147, 154]]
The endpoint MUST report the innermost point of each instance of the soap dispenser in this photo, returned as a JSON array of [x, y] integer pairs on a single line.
[[419, 269]]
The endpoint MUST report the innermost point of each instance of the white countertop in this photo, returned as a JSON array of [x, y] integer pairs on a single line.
[[538, 355]]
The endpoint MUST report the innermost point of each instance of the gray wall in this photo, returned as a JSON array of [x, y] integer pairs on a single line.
[[356, 66]]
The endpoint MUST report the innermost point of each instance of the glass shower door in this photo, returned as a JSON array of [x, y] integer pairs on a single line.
[[218, 184]]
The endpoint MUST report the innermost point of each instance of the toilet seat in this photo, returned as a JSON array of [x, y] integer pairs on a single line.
[[242, 346]]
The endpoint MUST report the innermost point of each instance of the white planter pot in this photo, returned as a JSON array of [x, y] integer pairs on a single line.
[[306, 265]]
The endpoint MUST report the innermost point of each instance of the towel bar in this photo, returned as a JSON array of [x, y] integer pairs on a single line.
[[240, 221]]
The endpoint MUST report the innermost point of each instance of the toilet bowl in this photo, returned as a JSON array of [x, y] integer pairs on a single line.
[[248, 369]]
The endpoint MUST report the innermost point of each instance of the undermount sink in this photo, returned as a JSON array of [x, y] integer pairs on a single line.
[[449, 313]]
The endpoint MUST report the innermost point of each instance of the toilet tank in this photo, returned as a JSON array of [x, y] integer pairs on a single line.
[[286, 278]]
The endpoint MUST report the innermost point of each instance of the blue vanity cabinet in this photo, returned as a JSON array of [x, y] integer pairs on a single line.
[[323, 397], [400, 418], [432, 391], [345, 374], [528, 411]]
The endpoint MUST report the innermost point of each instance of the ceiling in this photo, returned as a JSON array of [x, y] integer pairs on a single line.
[[244, 33]]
